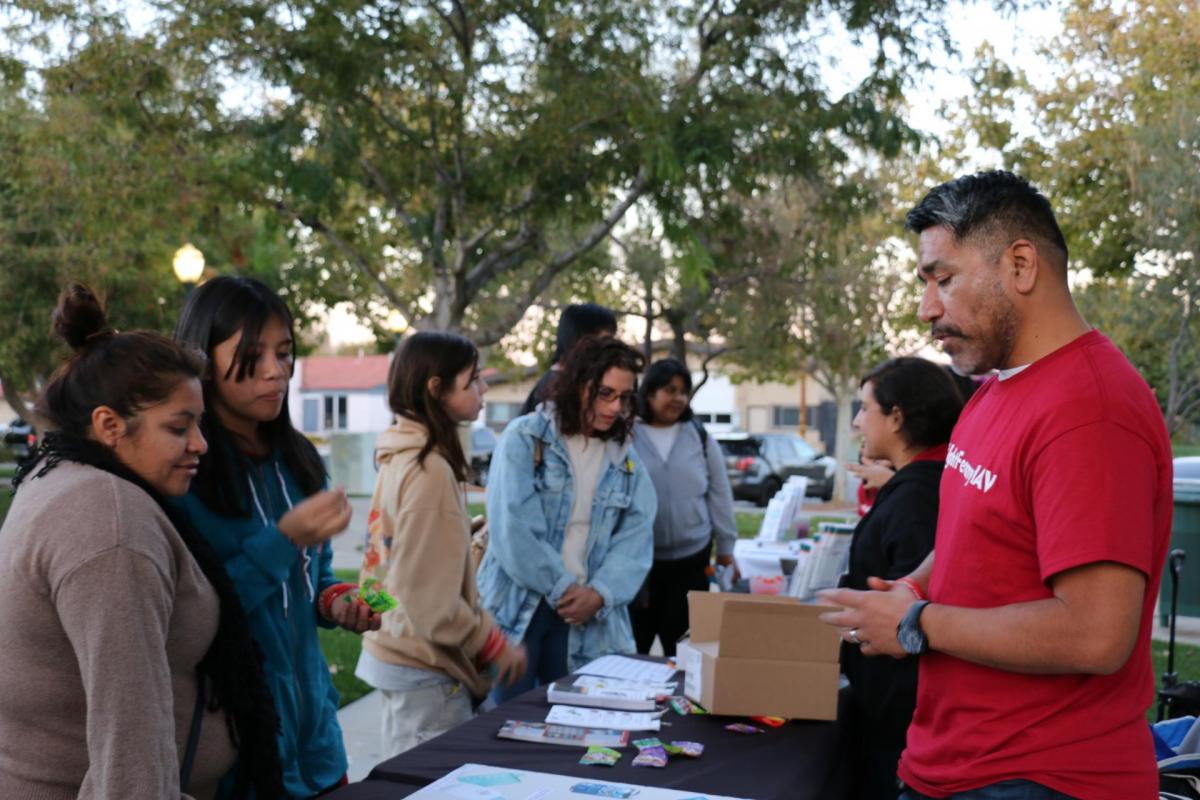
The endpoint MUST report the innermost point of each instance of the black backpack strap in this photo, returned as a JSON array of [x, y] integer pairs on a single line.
[[700, 429]]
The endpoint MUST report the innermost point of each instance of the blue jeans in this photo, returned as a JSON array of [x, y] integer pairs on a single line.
[[546, 650], [1005, 790]]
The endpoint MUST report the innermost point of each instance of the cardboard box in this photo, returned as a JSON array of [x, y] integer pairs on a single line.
[[751, 655]]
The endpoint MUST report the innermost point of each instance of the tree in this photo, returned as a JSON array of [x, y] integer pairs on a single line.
[[453, 159], [107, 169], [1117, 149]]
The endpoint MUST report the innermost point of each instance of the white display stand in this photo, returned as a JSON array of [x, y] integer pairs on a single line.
[[479, 782]]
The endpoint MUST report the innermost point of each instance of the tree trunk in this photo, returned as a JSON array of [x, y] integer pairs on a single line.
[[679, 341], [844, 451]]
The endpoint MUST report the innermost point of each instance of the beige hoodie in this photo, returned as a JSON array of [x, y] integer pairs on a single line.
[[420, 548]]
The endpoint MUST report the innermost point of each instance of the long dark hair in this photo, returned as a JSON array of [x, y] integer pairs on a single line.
[[658, 375], [130, 372], [423, 356], [583, 368], [216, 311], [925, 393]]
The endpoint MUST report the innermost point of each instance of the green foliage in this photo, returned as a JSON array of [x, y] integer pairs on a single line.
[[1116, 150]]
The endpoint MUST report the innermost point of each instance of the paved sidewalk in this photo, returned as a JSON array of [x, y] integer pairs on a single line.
[[360, 732]]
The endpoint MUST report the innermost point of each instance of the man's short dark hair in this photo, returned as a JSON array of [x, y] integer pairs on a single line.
[[579, 320], [996, 207]]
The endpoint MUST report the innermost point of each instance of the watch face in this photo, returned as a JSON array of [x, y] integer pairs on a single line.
[[911, 638], [909, 633]]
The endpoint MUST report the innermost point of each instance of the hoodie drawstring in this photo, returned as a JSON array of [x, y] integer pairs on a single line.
[[305, 557]]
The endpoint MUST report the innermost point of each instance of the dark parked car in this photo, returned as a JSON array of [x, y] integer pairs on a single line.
[[19, 439], [483, 442], [759, 463]]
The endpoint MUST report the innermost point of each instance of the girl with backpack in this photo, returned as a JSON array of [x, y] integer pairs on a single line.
[[695, 504], [570, 509]]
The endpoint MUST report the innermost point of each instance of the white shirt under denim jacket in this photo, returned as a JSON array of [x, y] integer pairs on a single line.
[[528, 508], [695, 502]]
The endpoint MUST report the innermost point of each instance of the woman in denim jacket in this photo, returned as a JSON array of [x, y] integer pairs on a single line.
[[570, 516]]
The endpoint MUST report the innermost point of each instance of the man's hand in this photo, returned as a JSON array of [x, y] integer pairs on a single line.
[[872, 616], [579, 604], [353, 614]]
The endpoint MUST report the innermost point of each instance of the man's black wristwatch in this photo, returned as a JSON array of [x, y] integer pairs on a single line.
[[909, 632]]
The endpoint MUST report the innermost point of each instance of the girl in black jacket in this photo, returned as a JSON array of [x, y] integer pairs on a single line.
[[909, 407]]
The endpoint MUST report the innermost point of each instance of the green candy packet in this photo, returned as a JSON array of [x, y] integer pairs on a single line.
[[376, 598]]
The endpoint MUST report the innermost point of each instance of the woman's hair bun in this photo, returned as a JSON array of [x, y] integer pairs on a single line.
[[79, 319]]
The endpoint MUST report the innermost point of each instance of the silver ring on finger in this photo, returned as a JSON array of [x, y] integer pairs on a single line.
[[854, 636]]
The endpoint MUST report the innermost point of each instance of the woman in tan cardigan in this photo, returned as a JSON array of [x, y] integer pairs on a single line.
[[438, 648], [126, 668]]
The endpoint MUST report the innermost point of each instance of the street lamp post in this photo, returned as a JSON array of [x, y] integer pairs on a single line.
[[189, 265]]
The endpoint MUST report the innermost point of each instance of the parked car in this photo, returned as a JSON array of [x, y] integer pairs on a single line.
[[19, 439], [483, 442], [1187, 472], [759, 463]]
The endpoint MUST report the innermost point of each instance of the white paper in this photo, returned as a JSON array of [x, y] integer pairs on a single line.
[[629, 669], [616, 684], [582, 717], [544, 786]]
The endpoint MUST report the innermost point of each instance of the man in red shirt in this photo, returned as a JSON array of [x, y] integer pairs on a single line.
[[1033, 613]]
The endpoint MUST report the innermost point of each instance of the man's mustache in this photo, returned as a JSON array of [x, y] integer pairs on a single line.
[[942, 331]]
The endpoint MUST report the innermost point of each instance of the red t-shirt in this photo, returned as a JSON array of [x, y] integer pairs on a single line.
[[1063, 464]]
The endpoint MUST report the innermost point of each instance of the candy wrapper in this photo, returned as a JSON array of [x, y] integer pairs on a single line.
[[371, 593], [644, 744], [689, 749], [601, 756], [774, 722], [651, 757], [739, 727], [681, 706]]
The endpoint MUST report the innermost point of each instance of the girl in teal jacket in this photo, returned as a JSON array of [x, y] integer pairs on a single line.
[[259, 499]]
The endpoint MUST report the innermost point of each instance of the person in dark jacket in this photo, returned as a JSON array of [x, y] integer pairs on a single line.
[[577, 321], [909, 407]]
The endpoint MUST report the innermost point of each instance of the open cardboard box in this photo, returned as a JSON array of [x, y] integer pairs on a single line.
[[751, 655]]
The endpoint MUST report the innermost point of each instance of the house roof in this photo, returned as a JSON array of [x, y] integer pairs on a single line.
[[344, 373]]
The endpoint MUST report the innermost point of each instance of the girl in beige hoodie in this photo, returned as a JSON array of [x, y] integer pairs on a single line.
[[438, 648]]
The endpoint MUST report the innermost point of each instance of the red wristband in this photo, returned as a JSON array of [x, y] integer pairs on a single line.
[[913, 587], [493, 647], [329, 596]]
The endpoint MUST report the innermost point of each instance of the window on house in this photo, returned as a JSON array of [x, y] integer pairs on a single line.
[[335, 412], [723, 419], [786, 416], [703, 419]]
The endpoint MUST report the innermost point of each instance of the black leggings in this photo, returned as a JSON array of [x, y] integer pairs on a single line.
[[665, 615]]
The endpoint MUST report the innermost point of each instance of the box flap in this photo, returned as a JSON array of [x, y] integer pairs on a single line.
[[783, 631], [762, 626], [704, 614]]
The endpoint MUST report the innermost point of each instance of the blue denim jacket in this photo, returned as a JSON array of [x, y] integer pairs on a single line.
[[529, 507]]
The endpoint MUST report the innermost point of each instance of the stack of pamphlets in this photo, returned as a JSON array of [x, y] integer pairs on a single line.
[[598, 718], [823, 561], [614, 693], [562, 734]]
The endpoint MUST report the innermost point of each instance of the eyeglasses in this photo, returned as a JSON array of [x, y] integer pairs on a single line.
[[607, 395]]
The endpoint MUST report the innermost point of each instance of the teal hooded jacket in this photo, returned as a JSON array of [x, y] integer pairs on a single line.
[[278, 584]]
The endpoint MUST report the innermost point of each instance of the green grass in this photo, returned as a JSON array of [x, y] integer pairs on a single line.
[[1179, 450], [1187, 665], [6, 497]]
